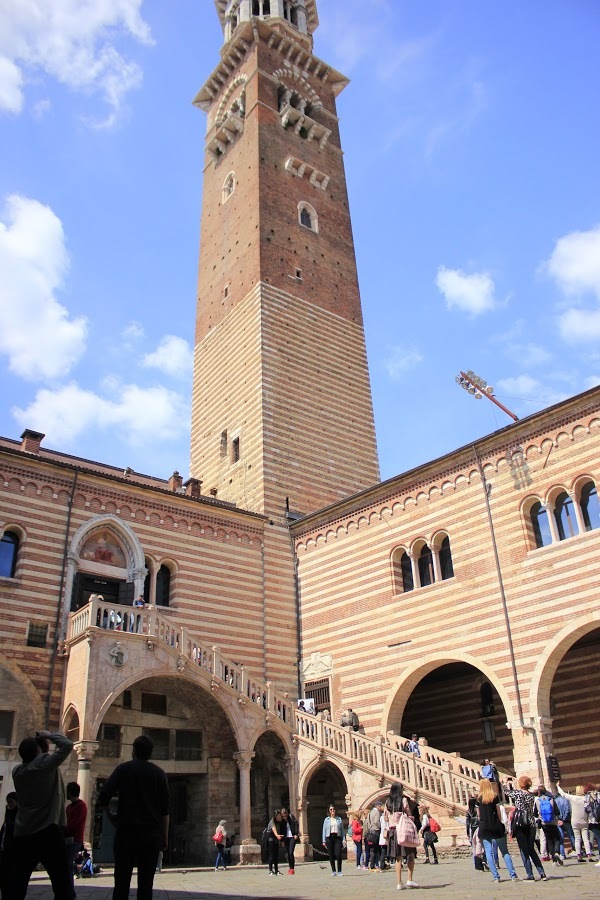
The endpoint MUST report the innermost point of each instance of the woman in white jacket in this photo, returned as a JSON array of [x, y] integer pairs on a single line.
[[579, 820]]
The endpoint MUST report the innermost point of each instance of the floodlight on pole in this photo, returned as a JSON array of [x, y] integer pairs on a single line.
[[478, 388]]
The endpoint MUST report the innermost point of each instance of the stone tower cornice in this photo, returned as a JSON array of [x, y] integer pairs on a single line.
[[292, 51]]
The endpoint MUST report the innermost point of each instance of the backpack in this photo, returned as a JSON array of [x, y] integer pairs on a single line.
[[593, 808], [264, 838], [546, 805], [87, 869], [434, 825]]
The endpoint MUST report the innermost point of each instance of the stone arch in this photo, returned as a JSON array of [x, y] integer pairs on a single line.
[[406, 683], [231, 88], [30, 712], [71, 723], [322, 784], [550, 659], [201, 680], [111, 522], [269, 776]]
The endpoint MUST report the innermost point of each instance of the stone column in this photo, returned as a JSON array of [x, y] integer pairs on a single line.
[[578, 514], [414, 569], [530, 746], [552, 523], [85, 751], [249, 850]]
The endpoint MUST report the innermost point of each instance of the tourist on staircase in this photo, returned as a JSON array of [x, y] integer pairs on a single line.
[[579, 821]]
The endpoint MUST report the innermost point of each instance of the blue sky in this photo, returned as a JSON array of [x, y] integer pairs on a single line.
[[471, 137]]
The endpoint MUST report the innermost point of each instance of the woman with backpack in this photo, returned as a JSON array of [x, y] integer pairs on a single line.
[[491, 828], [549, 816], [403, 837], [276, 836], [592, 807], [523, 825], [428, 834]]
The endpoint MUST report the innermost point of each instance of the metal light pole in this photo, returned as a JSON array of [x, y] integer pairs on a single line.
[[479, 388]]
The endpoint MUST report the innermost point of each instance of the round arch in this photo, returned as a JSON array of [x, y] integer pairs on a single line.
[[406, 683], [33, 703], [550, 659], [322, 782], [203, 684]]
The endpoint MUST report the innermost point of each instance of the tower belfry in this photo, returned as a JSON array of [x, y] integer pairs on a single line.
[[281, 402]]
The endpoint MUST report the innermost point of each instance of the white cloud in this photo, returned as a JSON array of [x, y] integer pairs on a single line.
[[11, 86], [577, 325], [524, 387], [173, 356], [528, 355], [36, 333], [401, 360], [138, 414], [575, 262], [73, 42], [471, 293]]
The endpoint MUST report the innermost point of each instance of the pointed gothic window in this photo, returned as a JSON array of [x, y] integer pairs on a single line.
[[408, 583]]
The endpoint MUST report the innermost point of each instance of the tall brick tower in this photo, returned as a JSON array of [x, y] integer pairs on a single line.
[[282, 401]]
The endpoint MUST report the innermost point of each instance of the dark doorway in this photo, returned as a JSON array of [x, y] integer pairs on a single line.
[[327, 786], [113, 590]]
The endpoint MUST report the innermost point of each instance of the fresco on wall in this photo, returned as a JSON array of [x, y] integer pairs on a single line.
[[102, 547]]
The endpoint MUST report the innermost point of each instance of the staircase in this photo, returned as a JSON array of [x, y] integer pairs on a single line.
[[444, 780]]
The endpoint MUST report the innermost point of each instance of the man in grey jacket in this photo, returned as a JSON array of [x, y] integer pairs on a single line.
[[41, 814]]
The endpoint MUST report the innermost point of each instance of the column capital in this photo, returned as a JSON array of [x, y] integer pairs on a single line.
[[244, 758], [86, 750]]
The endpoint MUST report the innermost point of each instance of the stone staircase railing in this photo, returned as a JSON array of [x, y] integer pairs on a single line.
[[151, 623], [441, 778]]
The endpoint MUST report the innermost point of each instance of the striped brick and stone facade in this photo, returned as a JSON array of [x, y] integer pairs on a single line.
[[430, 603]]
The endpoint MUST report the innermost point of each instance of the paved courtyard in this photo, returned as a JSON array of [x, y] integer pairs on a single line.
[[455, 878]]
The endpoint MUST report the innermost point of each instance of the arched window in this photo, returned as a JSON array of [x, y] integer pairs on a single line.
[[163, 586], [261, 8], [564, 515], [590, 507], [540, 525], [290, 12], [408, 583], [228, 187], [446, 567], [426, 573], [9, 549], [308, 217], [487, 699]]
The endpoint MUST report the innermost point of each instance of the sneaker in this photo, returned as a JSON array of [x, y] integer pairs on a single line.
[[400, 887], [545, 859], [333, 874], [528, 878], [271, 873], [497, 880], [412, 884], [340, 874], [590, 859], [514, 877], [558, 861], [436, 862], [543, 877]]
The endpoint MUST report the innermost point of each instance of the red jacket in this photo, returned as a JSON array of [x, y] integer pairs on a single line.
[[357, 830], [76, 816]]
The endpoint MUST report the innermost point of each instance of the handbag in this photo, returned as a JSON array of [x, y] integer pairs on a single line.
[[373, 837], [406, 832], [519, 819], [218, 837]]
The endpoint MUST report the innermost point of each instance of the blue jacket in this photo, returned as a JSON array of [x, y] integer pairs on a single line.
[[564, 807], [327, 828]]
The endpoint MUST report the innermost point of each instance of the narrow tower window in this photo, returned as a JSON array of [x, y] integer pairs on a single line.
[[235, 450], [307, 217], [540, 525], [223, 444], [9, 548]]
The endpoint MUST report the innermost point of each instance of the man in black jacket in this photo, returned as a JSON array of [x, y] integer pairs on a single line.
[[292, 836], [142, 818]]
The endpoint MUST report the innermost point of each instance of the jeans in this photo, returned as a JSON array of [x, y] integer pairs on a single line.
[[566, 831], [73, 848], [526, 841], [48, 847], [595, 831], [135, 848], [334, 848], [358, 846], [375, 856], [489, 855], [220, 860]]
